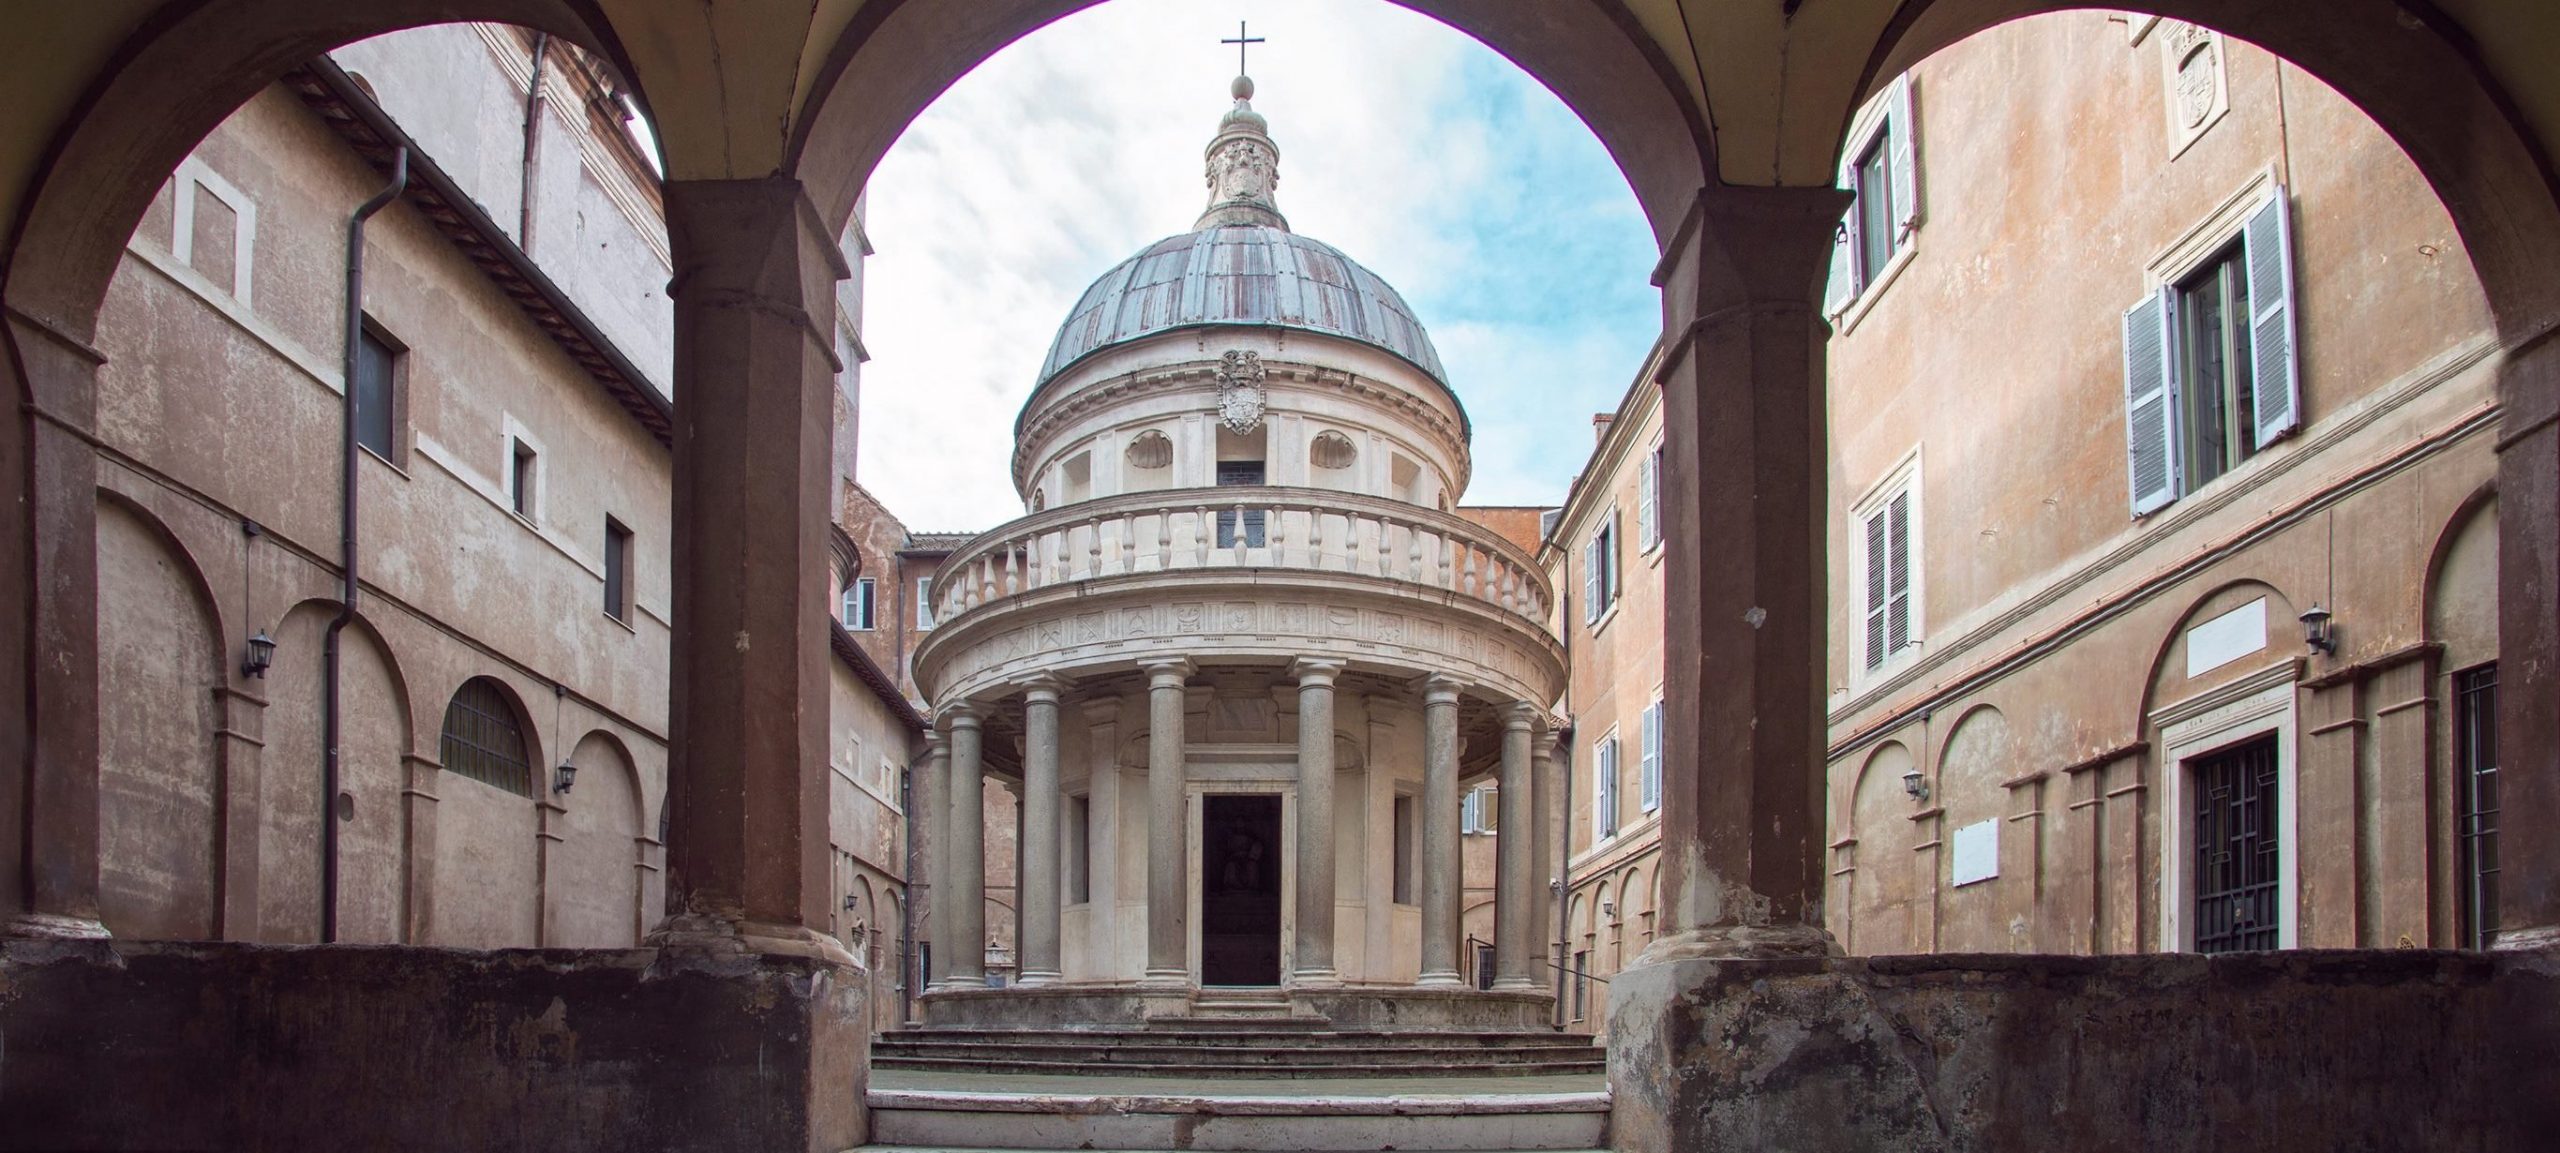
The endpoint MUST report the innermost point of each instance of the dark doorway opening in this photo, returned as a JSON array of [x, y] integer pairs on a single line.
[[1240, 890], [2237, 848]]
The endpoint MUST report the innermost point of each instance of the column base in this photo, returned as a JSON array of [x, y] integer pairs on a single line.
[[1510, 983], [711, 933], [1315, 979], [1440, 979], [1739, 943], [55, 927], [2526, 940], [1166, 979], [1034, 978]]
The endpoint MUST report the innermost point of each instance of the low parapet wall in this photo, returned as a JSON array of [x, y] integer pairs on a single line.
[[2309, 1050], [227, 1046]]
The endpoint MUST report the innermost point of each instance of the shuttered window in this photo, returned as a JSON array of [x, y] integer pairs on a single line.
[[1888, 579], [2212, 373], [1881, 168], [1649, 765], [1600, 570], [1649, 500], [861, 604], [1604, 787]]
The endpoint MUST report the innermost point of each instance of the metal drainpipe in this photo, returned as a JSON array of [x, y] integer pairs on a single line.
[[532, 139], [907, 975], [330, 719], [1564, 828]]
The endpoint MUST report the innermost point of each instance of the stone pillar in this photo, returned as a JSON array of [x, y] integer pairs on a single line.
[[1038, 866], [1743, 513], [1311, 961], [1443, 867], [1168, 827], [2529, 648], [49, 777], [932, 820], [963, 885], [1515, 927], [747, 734], [1547, 865], [1103, 839]]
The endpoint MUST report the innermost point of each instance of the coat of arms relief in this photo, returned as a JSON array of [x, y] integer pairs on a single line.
[[1241, 398]]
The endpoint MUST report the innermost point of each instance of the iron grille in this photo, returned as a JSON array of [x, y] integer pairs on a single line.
[[2475, 712], [483, 740], [2237, 849]]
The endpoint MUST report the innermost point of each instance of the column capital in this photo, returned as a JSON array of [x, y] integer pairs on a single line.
[[1045, 687], [1315, 670], [956, 715], [1440, 689], [1167, 673], [1522, 715], [1101, 710]]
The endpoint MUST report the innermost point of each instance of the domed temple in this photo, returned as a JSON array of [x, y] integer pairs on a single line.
[[1242, 655]]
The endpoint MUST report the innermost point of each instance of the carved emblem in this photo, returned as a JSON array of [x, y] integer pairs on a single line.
[[2198, 61], [1240, 394]]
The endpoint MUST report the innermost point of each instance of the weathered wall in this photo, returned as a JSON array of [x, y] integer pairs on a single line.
[[2281, 1051], [400, 1049]]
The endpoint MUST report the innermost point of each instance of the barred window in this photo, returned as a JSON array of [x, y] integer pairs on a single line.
[[484, 739]]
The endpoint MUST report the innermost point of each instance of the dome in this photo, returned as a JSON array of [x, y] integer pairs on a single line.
[[1240, 274]]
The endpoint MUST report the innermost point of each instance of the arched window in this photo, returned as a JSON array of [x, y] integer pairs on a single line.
[[484, 740]]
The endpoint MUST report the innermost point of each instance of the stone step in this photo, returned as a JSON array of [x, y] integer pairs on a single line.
[[1204, 1069], [1266, 1033], [1255, 1123], [984, 1149], [1269, 1054]]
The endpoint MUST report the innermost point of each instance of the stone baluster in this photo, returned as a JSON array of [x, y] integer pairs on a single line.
[[1386, 537], [1093, 547], [1241, 535], [1012, 568], [1469, 552], [1129, 542], [1279, 536], [1413, 553], [1164, 540], [1203, 531]]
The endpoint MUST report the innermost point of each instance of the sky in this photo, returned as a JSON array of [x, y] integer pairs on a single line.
[[1406, 144]]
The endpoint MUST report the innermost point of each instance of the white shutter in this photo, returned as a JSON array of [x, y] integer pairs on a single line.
[[1876, 589], [1649, 775], [1648, 518], [2275, 374], [2151, 402], [1617, 582], [1842, 289], [1903, 132], [1593, 581]]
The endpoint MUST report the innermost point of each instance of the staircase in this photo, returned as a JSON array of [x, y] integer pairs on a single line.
[[1235, 1076]]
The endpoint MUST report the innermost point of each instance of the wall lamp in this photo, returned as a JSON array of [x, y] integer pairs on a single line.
[[563, 777], [1915, 784], [2316, 632], [260, 657]]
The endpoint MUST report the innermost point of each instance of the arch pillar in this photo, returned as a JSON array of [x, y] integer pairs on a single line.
[[2529, 647], [747, 845]]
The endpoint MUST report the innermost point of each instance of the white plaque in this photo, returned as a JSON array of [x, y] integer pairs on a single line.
[[1977, 852], [2227, 638]]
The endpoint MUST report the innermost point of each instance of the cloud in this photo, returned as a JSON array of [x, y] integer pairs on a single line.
[[1408, 145]]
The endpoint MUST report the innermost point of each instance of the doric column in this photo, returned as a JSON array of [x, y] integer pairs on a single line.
[[1546, 769], [1168, 827], [965, 882], [1442, 867], [931, 821], [747, 740], [1311, 962], [1515, 926], [1742, 513], [1039, 864]]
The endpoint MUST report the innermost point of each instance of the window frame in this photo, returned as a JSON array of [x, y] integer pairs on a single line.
[[193, 173], [619, 598], [865, 592], [1649, 758], [1904, 479], [1605, 824], [924, 604], [522, 447], [1649, 500], [1889, 121], [1603, 584], [394, 451]]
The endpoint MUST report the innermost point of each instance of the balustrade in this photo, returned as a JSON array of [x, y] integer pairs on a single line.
[[1307, 530]]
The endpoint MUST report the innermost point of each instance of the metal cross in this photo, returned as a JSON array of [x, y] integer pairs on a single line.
[[1240, 41]]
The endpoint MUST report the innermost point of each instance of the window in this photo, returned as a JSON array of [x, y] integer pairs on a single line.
[[1887, 565], [1079, 850], [1649, 763], [1484, 965], [1649, 500], [2236, 849], [1403, 880], [2210, 372], [484, 740], [377, 392], [1600, 571], [1881, 170], [924, 604], [1233, 473], [2475, 730], [1581, 982], [1604, 787], [617, 570], [524, 470], [860, 608], [1478, 811]]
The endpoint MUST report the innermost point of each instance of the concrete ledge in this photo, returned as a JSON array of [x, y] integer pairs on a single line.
[[231, 1046], [2399, 1049], [1255, 1105]]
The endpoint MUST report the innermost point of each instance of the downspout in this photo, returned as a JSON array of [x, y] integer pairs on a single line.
[[330, 720], [533, 103], [1564, 819], [907, 972]]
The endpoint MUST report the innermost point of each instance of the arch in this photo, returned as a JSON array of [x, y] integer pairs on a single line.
[[488, 826], [595, 886], [1974, 754], [1877, 911], [375, 743], [160, 797], [2405, 64], [2168, 682], [891, 61], [2462, 580]]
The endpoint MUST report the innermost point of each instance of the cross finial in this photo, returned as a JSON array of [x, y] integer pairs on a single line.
[[1241, 41]]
